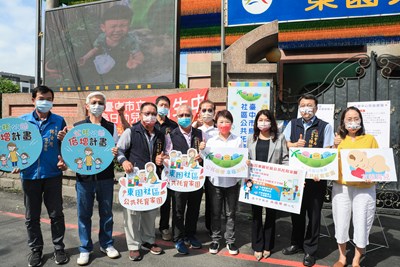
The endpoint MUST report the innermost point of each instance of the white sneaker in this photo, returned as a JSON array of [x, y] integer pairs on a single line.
[[111, 252], [83, 258]]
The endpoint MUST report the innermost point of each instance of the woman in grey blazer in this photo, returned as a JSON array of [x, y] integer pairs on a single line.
[[266, 145]]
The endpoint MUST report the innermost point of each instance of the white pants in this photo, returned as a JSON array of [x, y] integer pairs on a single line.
[[359, 202], [139, 227]]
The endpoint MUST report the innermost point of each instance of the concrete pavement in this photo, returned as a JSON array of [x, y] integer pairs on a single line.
[[14, 249]]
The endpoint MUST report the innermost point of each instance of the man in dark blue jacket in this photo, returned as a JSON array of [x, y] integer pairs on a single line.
[[101, 186], [42, 181]]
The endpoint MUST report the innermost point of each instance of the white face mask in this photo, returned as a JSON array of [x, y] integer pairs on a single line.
[[150, 119], [264, 125], [96, 109], [354, 125], [307, 110], [44, 106], [207, 117]]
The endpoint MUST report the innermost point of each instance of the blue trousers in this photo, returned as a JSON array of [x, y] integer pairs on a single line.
[[86, 192]]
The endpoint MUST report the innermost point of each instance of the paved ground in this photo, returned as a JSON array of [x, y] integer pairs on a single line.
[[14, 250]]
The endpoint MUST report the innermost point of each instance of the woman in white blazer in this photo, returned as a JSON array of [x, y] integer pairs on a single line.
[[266, 145]]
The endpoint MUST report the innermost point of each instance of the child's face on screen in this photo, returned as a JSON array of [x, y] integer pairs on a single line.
[[115, 30]]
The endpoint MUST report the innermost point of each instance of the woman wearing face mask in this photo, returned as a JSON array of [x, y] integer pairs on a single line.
[[352, 200], [206, 119], [223, 188], [268, 146]]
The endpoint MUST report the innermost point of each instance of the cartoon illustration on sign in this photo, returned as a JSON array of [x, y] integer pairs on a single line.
[[225, 161], [79, 163], [13, 154], [88, 158], [361, 166], [142, 190], [315, 159], [3, 159], [24, 158], [248, 96], [183, 172]]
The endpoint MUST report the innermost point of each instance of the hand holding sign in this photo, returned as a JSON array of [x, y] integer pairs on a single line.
[[61, 134]]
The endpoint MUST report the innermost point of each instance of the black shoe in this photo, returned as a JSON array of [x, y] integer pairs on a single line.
[[233, 250], [293, 249], [35, 258], [60, 256], [308, 260], [214, 246]]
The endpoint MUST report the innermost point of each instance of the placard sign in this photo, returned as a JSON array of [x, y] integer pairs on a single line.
[[274, 186], [376, 165], [142, 190], [226, 162], [319, 163], [86, 149], [182, 172], [20, 144]]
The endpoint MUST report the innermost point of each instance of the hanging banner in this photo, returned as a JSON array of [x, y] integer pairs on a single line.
[[319, 163], [142, 190], [245, 99], [86, 149], [376, 165], [226, 162], [182, 172], [262, 11], [376, 117], [132, 106], [20, 144], [274, 186]]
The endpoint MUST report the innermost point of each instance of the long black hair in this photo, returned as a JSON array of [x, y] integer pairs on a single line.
[[342, 131], [274, 127]]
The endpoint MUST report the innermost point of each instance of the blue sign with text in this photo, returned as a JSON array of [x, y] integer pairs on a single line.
[[242, 12]]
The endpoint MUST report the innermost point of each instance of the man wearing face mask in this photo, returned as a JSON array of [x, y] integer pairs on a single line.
[[164, 125], [308, 131], [185, 223], [99, 186], [138, 145], [42, 181]]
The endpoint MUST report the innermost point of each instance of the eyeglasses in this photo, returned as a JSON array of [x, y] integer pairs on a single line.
[[184, 115], [97, 102], [149, 113], [209, 110]]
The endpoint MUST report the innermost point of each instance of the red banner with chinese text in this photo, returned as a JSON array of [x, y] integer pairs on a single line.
[[132, 105]]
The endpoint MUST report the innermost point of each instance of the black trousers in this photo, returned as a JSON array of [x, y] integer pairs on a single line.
[[165, 211], [185, 213], [313, 198], [48, 191], [207, 210], [263, 236]]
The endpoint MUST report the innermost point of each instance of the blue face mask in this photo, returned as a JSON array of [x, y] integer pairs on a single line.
[[184, 122], [43, 106], [162, 111]]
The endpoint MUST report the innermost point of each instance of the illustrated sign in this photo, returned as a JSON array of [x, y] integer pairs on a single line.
[[142, 190], [274, 186], [245, 99], [261, 11], [376, 165], [376, 118], [132, 106], [318, 163], [20, 144], [182, 172], [226, 162], [86, 149]]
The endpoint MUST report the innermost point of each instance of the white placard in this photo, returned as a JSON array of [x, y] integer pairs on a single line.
[[320, 163], [376, 116], [226, 162], [274, 186], [372, 164]]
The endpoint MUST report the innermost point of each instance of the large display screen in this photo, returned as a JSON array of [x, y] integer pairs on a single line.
[[108, 45]]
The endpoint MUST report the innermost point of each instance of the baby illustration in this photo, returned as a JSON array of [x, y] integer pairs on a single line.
[[361, 164]]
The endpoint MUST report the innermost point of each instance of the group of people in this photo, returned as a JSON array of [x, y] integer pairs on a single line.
[[151, 139]]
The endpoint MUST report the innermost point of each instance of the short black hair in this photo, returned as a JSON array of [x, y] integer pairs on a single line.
[[163, 97], [117, 12], [308, 96], [147, 104], [224, 114], [43, 89], [274, 127]]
